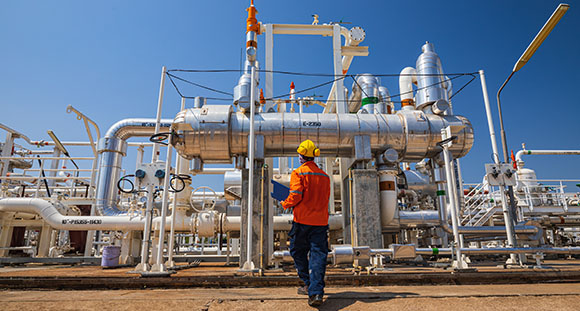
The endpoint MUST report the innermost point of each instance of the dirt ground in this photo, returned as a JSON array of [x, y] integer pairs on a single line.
[[451, 297]]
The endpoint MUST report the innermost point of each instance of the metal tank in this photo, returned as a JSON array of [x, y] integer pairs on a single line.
[[429, 77]]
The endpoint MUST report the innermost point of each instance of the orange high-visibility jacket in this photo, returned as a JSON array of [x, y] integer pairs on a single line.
[[309, 193]]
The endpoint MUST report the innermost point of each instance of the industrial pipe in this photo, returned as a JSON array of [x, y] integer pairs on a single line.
[[407, 78], [206, 224], [365, 91], [285, 256], [113, 147], [524, 151]]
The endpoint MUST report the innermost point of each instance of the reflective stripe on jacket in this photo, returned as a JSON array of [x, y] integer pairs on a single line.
[[309, 193]]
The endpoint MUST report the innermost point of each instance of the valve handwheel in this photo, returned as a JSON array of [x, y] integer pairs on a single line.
[[208, 198]]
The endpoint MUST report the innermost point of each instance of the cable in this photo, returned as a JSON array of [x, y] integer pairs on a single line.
[[159, 138], [311, 74], [199, 85], [171, 76], [43, 176], [124, 178], [180, 177], [461, 88], [308, 89]]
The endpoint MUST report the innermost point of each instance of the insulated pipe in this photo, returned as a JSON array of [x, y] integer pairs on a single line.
[[386, 104], [365, 91], [388, 195], [51, 215], [489, 230], [523, 152], [56, 220], [407, 78], [113, 147], [285, 256], [415, 218], [451, 190], [216, 134], [281, 223]]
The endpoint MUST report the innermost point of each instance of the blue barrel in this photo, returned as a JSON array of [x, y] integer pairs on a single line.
[[111, 256]]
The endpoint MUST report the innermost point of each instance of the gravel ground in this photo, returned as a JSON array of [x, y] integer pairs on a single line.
[[451, 297]]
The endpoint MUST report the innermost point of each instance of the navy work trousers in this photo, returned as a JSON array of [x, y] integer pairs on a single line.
[[309, 248]]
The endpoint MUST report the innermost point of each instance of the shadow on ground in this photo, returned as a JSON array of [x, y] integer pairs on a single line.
[[342, 300]]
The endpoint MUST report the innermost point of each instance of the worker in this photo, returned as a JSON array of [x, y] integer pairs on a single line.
[[309, 194]]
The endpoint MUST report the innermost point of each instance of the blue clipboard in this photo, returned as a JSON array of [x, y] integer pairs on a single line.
[[280, 192]]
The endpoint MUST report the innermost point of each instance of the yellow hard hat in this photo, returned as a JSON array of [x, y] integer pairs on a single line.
[[308, 149]]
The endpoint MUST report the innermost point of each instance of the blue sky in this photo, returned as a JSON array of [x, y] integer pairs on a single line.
[[105, 59]]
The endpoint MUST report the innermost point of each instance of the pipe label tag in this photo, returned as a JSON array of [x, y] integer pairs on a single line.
[[82, 221]]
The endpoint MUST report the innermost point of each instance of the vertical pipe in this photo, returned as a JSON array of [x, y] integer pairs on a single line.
[[140, 151], [155, 154], [452, 198], [165, 202], [54, 164], [269, 85], [502, 131], [341, 104], [180, 167], [143, 266], [328, 165], [495, 154], [39, 179], [249, 265]]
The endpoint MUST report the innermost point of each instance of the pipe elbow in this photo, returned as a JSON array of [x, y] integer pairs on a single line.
[[407, 78]]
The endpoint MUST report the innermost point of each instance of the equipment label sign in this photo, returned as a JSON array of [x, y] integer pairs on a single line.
[[81, 221]]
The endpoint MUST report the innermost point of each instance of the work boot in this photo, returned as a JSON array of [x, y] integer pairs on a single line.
[[303, 290], [315, 300]]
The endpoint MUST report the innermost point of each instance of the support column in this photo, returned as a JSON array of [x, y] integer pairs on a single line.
[[361, 212], [130, 247], [260, 214], [44, 241], [5, 236]]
